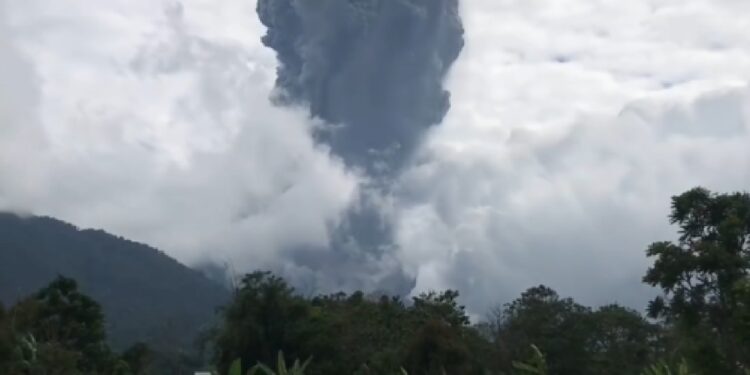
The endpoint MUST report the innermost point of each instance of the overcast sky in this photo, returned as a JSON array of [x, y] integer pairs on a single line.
[[572, 123]]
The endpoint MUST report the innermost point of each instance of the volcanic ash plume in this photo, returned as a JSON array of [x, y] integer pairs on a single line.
[[373, 69]]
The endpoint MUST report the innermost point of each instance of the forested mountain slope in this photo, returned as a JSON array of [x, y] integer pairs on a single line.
[[146, 295]]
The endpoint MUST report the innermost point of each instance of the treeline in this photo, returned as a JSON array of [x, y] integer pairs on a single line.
[[353, 334], [701, 322]]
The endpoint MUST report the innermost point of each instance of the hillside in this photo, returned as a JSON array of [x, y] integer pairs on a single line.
[[145, 294]]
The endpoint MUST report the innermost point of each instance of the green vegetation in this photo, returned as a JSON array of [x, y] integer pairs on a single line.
[[297, 368], [703, 316], [662, 368], [345, 333], [704, 277], [537, 365], [355, 334], [700, 325], [58, 330], [146, 295]]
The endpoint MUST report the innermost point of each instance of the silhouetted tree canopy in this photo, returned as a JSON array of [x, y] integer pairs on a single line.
[[704, 278]]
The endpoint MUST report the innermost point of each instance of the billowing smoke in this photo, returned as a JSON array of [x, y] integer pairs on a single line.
[[373, 71], [156, 125]]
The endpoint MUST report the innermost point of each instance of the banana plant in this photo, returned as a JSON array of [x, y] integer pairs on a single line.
[[537, 365], [663, 368], [297, 368], [27, 350]]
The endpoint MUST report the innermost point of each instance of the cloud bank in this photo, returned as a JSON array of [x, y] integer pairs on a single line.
[[167, 138], [570, 126]]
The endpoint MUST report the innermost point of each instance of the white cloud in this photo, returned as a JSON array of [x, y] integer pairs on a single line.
[[572, 124], [161, 130], [19, 128]]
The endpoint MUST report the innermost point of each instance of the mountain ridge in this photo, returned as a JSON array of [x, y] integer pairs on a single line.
[[145, 294]]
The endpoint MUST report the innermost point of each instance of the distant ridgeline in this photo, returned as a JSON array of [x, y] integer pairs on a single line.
[[146, 295]]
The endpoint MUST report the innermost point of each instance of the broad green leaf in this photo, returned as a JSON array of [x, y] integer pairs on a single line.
[[236, 368]]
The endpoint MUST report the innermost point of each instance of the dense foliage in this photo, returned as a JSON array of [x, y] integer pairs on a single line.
[[344, 333], [146, 295], [700, 325], [58, 330], [431, 334], [575, 339], [704, 277]]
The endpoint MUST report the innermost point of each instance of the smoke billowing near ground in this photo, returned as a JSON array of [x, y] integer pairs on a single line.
[[373, 71]]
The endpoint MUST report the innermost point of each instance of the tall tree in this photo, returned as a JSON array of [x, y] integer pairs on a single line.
[[264, 318], [441, 306], [137, 358], [559, 327], [574, 339], [621, 341], [437, 348], [58, 330], [703, 277], [440, 339]]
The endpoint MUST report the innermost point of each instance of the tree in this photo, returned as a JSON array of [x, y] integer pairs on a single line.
[[743, 312], [574, 339], [58, 330], [264, 318], [437, 348], [703, 277], [138, 287], [357, 334], [559, 327], [621, 341], [441, 306], [348, 334], [137, 358], [60, 314], [440, 339]]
